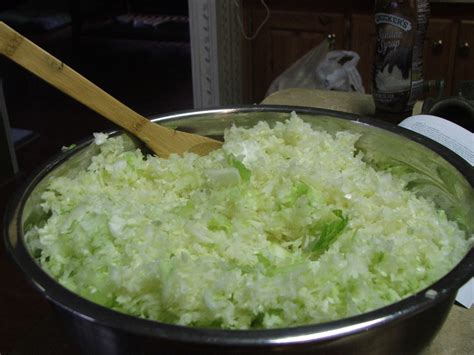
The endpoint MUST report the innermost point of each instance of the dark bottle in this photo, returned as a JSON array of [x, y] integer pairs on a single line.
[[398, 70]]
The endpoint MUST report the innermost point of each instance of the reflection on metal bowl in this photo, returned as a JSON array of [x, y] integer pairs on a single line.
[[403, 327]]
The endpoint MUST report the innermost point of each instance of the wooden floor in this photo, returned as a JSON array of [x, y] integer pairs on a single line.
[[150, 76]]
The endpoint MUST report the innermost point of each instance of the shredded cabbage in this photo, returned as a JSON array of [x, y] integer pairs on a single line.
[[283, 226]]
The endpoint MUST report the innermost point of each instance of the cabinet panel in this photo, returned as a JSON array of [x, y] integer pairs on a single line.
[[307, 21], [464, 58], [363, 42], [438, 52], [261, 61], [288, 46]]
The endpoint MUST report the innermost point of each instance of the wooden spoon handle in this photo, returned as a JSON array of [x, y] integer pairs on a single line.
[[33, 58], [162, 141]]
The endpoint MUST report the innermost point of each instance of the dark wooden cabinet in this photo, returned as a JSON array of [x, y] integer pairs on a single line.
[[285, 38], [362, 32], [439, 51], [296, 27]]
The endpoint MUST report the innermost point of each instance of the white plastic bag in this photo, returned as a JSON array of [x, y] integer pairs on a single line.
[[321, 69], [338, 71]]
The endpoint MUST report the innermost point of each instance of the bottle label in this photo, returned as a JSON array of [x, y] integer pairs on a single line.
[[394, 20], [395, 37]]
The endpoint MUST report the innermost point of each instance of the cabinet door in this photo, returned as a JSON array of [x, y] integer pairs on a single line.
[[464, 63], [284, 39], [287, 46], [363, 42], [438, 53]]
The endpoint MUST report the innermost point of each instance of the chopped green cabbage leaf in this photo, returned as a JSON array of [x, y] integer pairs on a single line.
[[283, 226], [329, 232]]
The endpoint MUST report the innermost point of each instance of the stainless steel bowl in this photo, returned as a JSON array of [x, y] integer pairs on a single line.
[[404, 327]]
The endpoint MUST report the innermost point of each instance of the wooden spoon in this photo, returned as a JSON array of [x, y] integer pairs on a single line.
[[161, 140]]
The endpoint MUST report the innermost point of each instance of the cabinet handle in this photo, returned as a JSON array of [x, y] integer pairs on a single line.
[[437, 46], [332, 40], [464, 49]]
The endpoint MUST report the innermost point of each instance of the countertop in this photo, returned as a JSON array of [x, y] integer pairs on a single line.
[[456, 337], [352, 102]]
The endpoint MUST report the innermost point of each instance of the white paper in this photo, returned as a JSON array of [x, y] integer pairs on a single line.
[[449, 134], [461, 142], [465, 294]]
